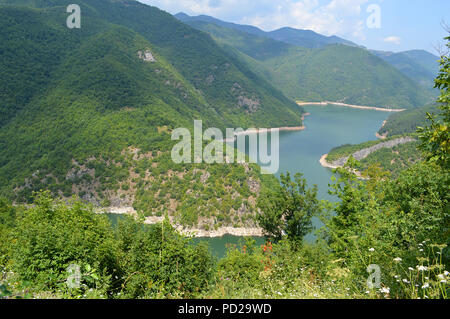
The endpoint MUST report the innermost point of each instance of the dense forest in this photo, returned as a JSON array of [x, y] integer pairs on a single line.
[[391, 158], [87, 124], [407, 121], [315, 70], [84, 114], [399, 224]]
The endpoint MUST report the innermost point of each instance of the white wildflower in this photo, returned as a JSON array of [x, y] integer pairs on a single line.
[[398, 259], [426, 285], [371, 249], [422, 268], [385, 290]]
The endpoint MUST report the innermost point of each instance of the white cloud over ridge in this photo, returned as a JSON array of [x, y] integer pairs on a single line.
[[393, 40], [329, 17]]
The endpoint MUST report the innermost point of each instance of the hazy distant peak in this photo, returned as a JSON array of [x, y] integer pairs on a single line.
[[298, 37]]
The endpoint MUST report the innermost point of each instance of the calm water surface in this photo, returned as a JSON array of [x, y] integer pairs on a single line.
[[300, 151]]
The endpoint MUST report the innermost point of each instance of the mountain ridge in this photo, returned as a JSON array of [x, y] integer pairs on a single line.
[[335, 72], [99, 127], [304, 38]]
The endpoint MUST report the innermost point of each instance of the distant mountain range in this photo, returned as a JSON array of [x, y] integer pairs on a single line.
[[308, 66], [303, 38], [419, 65], [89, 111]]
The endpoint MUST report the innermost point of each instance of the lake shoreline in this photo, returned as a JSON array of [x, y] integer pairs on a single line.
[[385, 135], [284, 128], [324, 163], [263, 130], [194, 232], [365, 152], [361, 107]]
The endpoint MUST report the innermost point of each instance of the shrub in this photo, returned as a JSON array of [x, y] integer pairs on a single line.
[[51, 236]]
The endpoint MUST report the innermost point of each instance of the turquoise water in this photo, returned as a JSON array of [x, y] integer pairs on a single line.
[[326, 128], [218, 245], [300, 151]]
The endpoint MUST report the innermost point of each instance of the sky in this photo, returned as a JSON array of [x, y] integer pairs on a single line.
[[389, 25]]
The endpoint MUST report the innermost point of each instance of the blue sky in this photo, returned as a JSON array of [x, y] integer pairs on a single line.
[[404, 24]]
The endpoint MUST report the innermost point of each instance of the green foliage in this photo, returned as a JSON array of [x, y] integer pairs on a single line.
[[51, 236], [288, 210], [335, 72], [86, 93], [393, 160], [158, 262], [241, 265], [345, 74], [348, 149], [406, 122], [96, 118], [278, 271], [382, 220], [7, 223], [436, 136], [53, 242], [419, 65]]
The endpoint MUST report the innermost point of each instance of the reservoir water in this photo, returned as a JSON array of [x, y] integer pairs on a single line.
[[327, 127], [300, 151]]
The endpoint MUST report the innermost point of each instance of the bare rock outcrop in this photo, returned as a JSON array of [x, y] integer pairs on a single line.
[[146, 56]]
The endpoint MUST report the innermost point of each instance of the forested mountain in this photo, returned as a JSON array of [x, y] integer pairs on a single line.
[[335, 72], [303, 38], [419, 65], [89, 111], [407, 121]]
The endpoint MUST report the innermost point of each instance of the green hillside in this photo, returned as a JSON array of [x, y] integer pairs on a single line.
[[407, 121], [303, 38], [419, 65], [338, 73], [306, 38], [393, 159], [345, 74], [90, 116]]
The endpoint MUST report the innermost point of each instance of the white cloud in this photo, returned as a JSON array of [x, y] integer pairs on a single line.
[[332, 17], [393, 40]]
